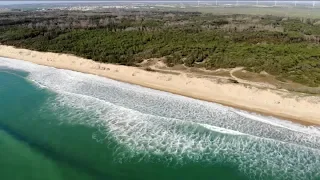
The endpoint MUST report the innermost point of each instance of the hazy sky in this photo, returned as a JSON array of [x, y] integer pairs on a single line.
[[61, 1]]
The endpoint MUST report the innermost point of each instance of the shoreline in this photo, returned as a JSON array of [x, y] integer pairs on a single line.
[[285, 105]]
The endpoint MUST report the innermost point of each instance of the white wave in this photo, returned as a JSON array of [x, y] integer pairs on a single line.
[[221, 130], [281, 123], [39, 84]]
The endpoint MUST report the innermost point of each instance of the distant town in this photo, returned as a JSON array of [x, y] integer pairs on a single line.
[[98, 5]]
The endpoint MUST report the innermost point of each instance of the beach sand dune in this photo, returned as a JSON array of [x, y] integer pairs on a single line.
[[288, 105]]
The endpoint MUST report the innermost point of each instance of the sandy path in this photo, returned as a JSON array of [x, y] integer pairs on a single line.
[[255, 84], [305, 109]]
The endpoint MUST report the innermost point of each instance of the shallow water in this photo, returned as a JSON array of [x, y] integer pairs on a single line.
[[60, 124]]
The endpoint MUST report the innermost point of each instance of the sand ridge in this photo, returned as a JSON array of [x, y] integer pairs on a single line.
[[305, 109]]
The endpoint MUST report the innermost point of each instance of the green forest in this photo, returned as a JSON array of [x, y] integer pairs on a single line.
[[287, 48]]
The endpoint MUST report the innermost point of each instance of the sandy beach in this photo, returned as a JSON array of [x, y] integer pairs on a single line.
[[269, 101]]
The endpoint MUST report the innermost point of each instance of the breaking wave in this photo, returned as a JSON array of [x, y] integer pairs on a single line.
[[160, 126]]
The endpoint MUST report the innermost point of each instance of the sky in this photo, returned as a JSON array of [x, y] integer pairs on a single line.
[[64, 1]]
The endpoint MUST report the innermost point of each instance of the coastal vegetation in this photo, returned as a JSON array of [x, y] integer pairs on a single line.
[[286, 47]]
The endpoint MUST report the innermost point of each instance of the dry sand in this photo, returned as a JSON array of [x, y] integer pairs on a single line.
[[292, 106]]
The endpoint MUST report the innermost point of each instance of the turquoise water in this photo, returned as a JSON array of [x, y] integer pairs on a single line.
[[58, 124]]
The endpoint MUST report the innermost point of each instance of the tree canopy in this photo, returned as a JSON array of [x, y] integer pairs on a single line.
[[284, 47]]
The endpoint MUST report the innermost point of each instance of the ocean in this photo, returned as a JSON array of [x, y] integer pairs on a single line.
[[58, 125]]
